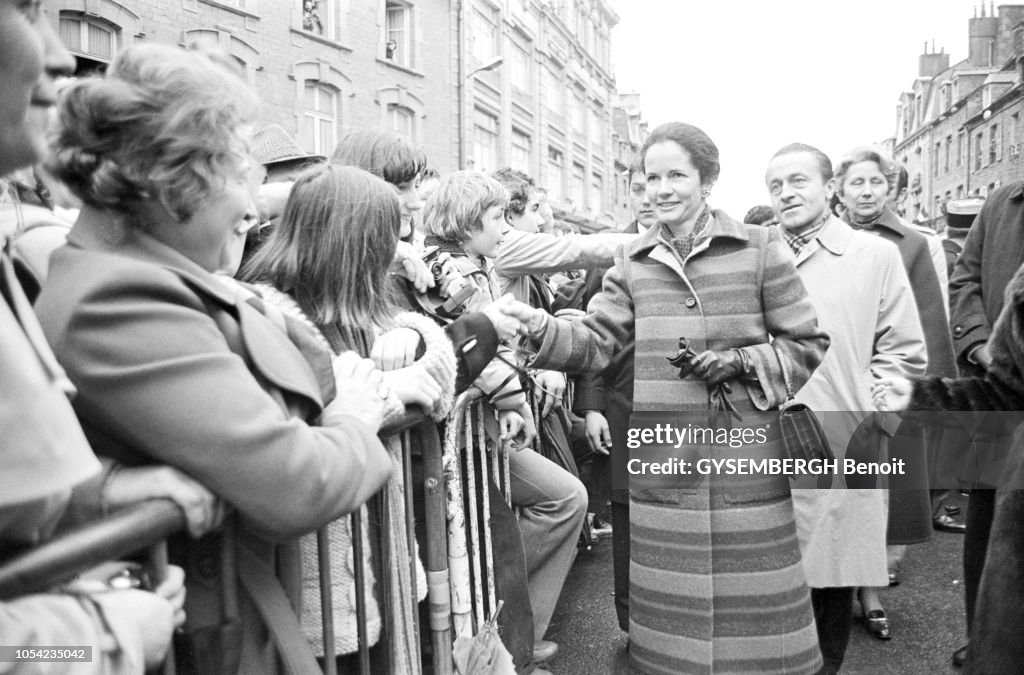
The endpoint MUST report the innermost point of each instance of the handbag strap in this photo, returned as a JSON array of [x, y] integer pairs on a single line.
[[785, 372], [277, 612]]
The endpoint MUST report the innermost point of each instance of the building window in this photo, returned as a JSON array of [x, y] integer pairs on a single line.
[[554, 91], [945, 161], [485, 141], [596, 128], [579, 115], [320, 17], [553, 176], [993, 143], [320, 117], [401, 122], [484, 30], [959, 150], [596, 193], [1014, 122], [977, 150], [520, 67], [935, 159], [93, 43], [398, 33], [520, 158], [959, 191], [577, 185]]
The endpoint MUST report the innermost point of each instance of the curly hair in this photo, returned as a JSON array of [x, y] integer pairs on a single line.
[[520, 188], [381, 153], [332, 247], [163, 124], [457, 207], [698, 145]]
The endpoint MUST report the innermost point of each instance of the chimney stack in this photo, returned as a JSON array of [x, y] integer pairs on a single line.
[[982, 34]]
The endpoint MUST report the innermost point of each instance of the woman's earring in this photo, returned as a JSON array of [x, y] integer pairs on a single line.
[[705, 193]]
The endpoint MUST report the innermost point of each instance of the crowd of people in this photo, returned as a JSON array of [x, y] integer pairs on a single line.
[[196, 309]]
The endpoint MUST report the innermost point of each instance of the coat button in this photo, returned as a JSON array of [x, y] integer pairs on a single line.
[[691, 302]]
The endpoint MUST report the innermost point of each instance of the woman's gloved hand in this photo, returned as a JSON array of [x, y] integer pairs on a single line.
[[716, 367]]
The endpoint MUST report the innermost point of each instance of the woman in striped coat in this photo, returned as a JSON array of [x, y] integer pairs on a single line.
[[716, 583]]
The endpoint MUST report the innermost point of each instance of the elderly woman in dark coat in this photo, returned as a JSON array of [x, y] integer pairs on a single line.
[[716, 581]]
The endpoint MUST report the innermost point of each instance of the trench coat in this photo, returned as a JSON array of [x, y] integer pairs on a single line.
[[863, 298], [171, 366], [716, 582]]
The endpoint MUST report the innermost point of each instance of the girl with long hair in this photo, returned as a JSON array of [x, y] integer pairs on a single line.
[[326, 264]]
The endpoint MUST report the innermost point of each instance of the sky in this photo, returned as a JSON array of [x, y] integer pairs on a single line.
[[759, 74]]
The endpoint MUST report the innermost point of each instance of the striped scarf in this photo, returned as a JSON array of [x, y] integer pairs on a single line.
[[799, 240]]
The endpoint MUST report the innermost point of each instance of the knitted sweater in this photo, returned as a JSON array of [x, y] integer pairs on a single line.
[[439, 360]]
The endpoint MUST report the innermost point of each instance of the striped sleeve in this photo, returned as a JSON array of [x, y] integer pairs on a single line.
[[793, 325]]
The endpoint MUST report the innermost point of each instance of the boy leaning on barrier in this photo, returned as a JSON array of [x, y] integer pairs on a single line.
[[464, 218]]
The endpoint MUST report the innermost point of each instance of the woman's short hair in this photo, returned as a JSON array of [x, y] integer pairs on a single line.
[[381, 153], [520, 189], [865, 154], [333, 245], [163, 123], [698, 145], [457, 207]]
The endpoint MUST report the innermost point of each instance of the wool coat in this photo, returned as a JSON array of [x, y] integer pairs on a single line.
[[172, 367], [716, 582], [995, 644], [864, 301], [910, 519], [992, 253]]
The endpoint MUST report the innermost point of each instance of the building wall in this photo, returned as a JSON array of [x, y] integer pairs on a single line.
[[950, 110], [545, 108], [280, 57], [1007, 165]]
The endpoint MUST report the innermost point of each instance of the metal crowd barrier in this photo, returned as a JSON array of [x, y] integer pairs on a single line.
[[470, 553], [458, 537]]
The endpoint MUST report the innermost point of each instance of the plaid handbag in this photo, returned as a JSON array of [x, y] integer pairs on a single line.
[[800, 430]]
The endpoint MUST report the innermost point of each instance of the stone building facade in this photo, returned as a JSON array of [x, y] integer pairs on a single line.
[[322, 67], [958, 127], [478, 84]]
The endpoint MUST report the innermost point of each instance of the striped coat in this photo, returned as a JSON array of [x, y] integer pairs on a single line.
[[716, 583]]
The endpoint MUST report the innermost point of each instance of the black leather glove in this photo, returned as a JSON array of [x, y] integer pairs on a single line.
[[683, 358], [716, 367]]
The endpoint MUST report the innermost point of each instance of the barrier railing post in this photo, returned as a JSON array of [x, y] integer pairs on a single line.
[[438, 580], [326, 599], [410, 526], [149, 523], [158, 564], [458, 556]]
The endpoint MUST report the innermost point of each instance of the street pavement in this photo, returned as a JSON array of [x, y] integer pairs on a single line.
[[925, 610]]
